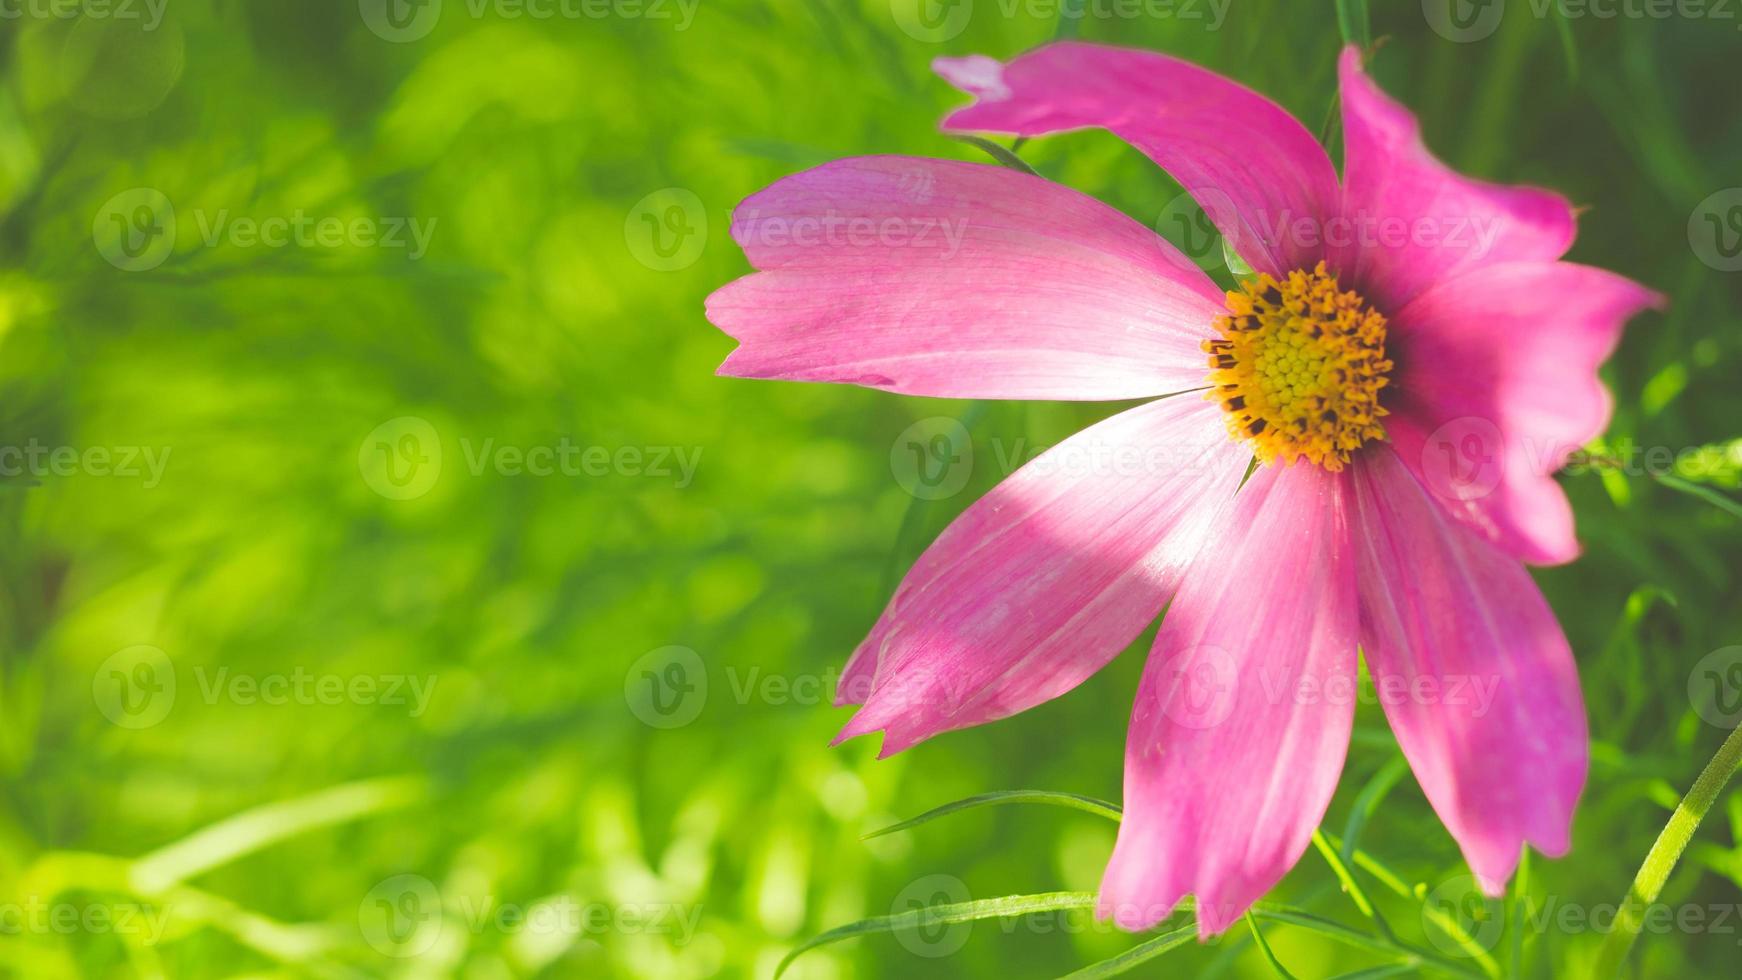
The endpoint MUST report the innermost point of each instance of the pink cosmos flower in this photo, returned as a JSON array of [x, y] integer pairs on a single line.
[[1409, 363]]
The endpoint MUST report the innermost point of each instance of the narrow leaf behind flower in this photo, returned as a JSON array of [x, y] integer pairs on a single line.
[[1353, 22], [1002, 154], [1006, 907], [1264, 947], [1087, 804], [1664, 854], [1569, 47], [1710, 496], [1373, 973], [1136, 956]]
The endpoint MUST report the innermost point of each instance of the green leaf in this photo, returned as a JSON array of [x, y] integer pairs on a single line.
[[1664, 854], [1137, 955], [1367, 803], [263, 826], [1373, 972], [1009, 906], [1569, 47], [1447, 924], [1353, 22], [1710, 496], [1087, 804], [1236, 265], [1520, 898], [1000, 153], [1264, 947], [1070, 22], [1346, 877]]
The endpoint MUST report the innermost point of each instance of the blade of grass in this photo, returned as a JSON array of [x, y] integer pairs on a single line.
[[1665, 852], [1087, 804], [1136, 956], [1070, 22], [1264, 947], [1707, 494], [1371, 973], [1006, 907], [1367, 802], [1012, 906], [1569, 47], [1004, 155], [1360, 940], [1353, 22], [251, 830], [1351, 887], [1520, 898], [1415, 893]]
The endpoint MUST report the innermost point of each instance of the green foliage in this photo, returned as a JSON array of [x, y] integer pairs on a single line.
[[502, 633]]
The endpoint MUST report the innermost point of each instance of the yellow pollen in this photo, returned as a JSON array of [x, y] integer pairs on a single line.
[[1298, 368]]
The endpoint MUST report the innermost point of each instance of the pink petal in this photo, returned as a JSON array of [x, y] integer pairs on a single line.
[[1253, 168], [1243, 714], [936, 277], [1411, 219], [1486, 704], [1497, 384], [1047, 577]]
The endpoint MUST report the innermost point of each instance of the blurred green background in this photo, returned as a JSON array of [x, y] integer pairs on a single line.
[[391, 589]]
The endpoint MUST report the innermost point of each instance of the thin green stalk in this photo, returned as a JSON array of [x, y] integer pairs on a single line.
[[1520, 902], [1367, 803], [1664, 854], [1276, 966], [1353, 22], [1356, 893], [1447, 924]]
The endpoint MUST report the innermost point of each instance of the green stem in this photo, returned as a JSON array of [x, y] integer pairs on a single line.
[[1352, 887], [1648, 884]]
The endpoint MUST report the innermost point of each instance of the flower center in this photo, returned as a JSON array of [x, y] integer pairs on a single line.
[[1298, 367]]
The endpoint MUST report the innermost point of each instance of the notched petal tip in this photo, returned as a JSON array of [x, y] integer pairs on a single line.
[[896, 738]]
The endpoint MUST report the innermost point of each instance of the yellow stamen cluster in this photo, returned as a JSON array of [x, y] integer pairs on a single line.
[[1298, 368]]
